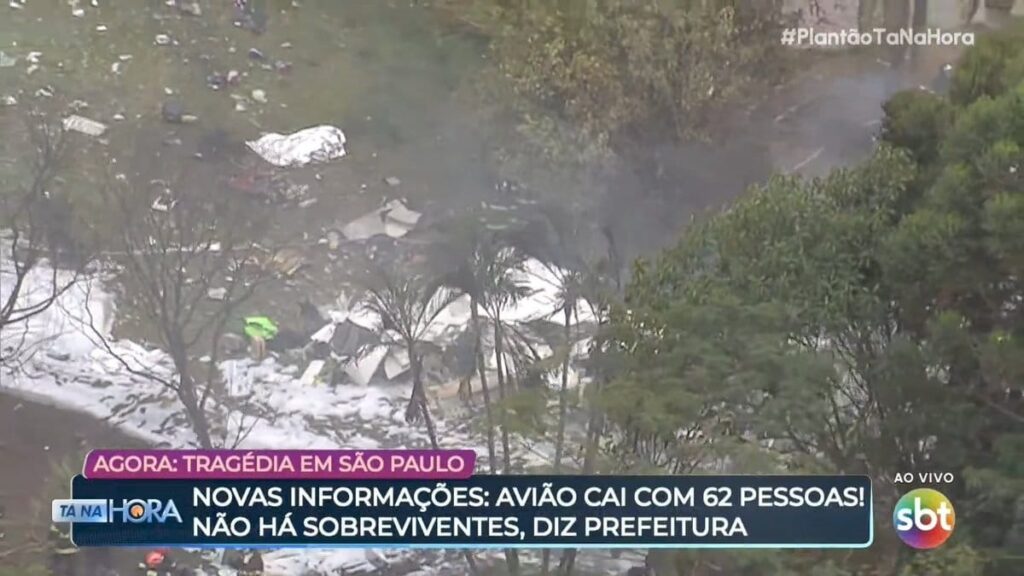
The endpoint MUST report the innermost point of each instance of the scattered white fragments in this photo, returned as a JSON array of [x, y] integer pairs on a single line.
[[312, 371], [317, 144], [259, 96], [7, 61], [394, 219], [84, 125], [162, 40], [217, 293]]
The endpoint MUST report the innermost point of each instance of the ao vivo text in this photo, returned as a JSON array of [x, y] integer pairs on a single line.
[[924, 478]]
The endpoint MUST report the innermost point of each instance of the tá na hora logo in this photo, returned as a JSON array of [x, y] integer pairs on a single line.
[[924, 518], [134, 511]]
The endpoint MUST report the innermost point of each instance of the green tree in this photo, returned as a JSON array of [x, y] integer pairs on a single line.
[[586, 78], [867, 322]]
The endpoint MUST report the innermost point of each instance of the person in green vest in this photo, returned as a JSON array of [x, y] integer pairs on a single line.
[[259, 330]]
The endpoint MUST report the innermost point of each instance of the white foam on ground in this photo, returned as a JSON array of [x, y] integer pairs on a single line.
[[71, 368]]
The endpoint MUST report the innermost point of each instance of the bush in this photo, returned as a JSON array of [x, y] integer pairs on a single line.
[[601, 75], [994, 65]]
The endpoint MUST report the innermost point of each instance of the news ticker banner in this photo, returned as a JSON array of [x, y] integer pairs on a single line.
[[281, 508]]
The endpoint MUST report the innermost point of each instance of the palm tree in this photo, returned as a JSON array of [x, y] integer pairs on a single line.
[[502, 288], [466, 254], [407, 306], [568, 295]]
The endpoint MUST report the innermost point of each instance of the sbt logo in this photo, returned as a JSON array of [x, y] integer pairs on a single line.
[[924, 518], [134, 511]]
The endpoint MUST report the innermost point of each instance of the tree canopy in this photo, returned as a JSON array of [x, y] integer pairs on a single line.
[[867, 322]]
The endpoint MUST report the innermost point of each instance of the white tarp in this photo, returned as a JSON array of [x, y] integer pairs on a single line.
[[316, 144]]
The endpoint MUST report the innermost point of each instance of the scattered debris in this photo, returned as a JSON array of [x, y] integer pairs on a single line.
[[58, 355], [164, 201], [217, 293], [216, 81], [286, 45], [162, 40], [256, 54], [287, 262], [294, 193], [7, 61], [333, 240], [325, 334], [309, 377], [78, 12], [392, 181], [189, 119], [172, 112], [32, 69], [317, 144], [84, 125], [190, 8], [8, 100], [34, 57], [233, 77], [394, 219], [118, 117], [259, 96], [233, 344], [282, 66]]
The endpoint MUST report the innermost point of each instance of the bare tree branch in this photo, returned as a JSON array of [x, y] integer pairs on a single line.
[[39, 257]]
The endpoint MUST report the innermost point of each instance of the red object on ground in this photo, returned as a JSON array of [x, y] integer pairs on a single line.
[[155, 558]]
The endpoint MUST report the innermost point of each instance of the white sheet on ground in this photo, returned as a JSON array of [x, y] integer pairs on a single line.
[[316, 144]]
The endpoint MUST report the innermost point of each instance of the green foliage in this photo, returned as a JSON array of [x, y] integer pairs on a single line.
[[992, 67], [865, 322], [916, 121], [585, 78], [947, 561]]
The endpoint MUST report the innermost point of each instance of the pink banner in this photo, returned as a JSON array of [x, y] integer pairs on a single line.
[[279, 464]]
